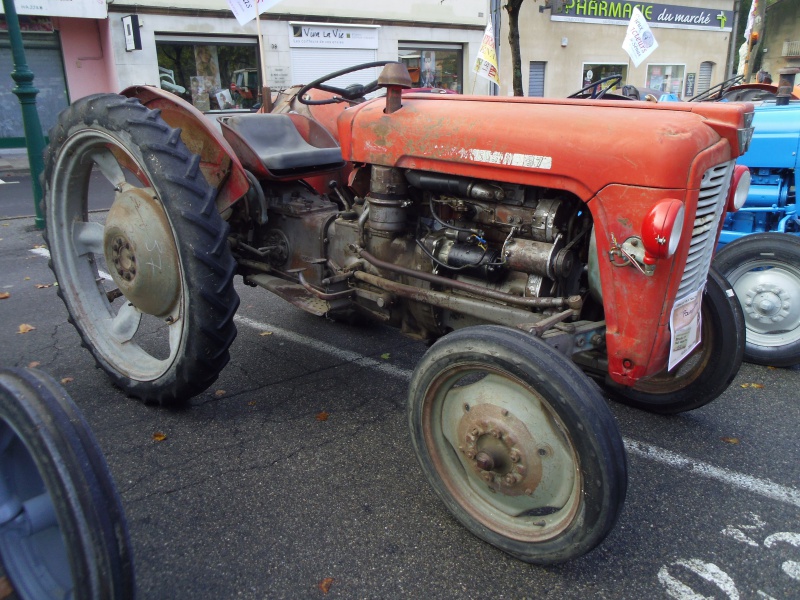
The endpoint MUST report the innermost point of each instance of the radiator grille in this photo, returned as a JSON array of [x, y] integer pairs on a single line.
[[710, 204]]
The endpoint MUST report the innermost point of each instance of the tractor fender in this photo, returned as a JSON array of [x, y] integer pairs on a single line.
[[221, 167]]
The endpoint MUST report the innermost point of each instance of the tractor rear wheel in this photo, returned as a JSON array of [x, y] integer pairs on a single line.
[[149, 285]]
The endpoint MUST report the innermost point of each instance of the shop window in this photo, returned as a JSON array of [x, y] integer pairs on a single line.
[[593, 72], [433, 66], [210, 74], [667, 79]]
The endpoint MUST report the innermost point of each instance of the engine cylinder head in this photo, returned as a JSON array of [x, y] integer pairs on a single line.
[[387, 199]]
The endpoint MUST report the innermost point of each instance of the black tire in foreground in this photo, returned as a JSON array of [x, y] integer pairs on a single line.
[[518, 443], [62, 528], [708, 371], [150, 285], [764, 271]]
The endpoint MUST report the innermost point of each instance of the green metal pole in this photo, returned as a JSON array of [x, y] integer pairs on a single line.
[[26, 93]]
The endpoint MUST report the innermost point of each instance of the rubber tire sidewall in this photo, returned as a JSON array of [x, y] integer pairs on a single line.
[[784, 248], [572, 396], [200, 235], [73, 469]]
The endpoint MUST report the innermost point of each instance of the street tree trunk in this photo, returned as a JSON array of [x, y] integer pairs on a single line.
[[513, 6]]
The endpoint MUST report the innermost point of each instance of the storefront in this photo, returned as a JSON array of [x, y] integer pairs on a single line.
[[198, 50], [43, 55], [574, 43], [67, 48], [223, 70]]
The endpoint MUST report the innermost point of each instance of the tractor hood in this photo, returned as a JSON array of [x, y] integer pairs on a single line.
[[577, 145]]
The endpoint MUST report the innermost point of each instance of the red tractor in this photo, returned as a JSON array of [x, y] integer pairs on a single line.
[[544, 243]]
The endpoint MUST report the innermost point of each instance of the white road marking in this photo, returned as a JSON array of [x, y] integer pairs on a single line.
[[46, 254], [346, 355], [762, 487], [7, 182], [708, 571], [756, 485]]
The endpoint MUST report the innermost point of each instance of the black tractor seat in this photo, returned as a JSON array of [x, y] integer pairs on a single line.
[[271, 146]]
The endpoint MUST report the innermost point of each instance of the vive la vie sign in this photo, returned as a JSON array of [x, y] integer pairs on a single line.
[[133, 41]]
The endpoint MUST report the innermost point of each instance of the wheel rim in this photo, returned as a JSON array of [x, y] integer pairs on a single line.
[[502, 452], [770, 297], [121, 276], [31, 540]]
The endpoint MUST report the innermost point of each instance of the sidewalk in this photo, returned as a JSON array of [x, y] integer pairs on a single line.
[[14, 161]]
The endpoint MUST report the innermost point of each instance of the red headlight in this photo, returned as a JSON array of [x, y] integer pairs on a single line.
[[661, 230], [740, 187]]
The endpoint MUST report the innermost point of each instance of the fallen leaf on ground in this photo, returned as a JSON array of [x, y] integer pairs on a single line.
[[39, 246], [263, 333], [4, 295], [325, 585], [27, 279], [322, 416], [220, 393], [251, 403], [67, 380], [159, 437], [385, 356], [5, 588], [757, 386], [730, 440], [40, 286], [25, 328], [33, 364], [772, 368]]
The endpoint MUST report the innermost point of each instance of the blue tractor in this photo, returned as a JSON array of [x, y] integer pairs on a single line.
[[760, 261]]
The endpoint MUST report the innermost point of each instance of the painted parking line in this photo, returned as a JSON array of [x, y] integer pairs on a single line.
[[763, 487], [46, 254]]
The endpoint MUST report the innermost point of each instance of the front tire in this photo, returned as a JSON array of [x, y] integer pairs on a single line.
[[708, 371], [150, 286], [517, 443], [63, 532], [764, 270]]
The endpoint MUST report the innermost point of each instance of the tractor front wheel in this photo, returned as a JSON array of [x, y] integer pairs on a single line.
[[518, 443], [708, 371]]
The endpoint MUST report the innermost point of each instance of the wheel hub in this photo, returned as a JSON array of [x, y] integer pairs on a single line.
[[140, 252], [767, 303], [500, 449]]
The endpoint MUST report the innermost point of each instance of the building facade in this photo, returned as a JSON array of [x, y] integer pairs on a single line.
[[197, 49], [568, 44]]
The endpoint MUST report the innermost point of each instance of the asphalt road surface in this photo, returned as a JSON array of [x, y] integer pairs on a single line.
[[16, 194], [251, 495]]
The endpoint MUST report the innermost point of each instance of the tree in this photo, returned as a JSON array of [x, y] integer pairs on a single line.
[[513, 7]]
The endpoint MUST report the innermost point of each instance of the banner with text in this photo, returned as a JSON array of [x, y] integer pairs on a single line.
[[486, 63], [245, 10], [320, 35], [618, 12], [639, 42]]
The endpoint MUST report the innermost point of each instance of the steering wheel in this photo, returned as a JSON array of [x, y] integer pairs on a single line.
[[614, 80], [718, 90], [348, 94]]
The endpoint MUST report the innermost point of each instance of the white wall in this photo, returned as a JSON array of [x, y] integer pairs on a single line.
[[462, 12]]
